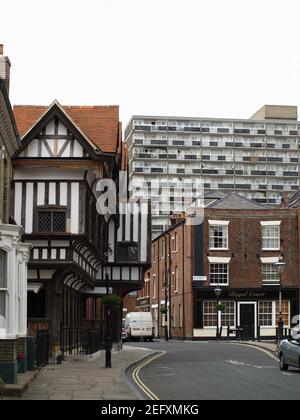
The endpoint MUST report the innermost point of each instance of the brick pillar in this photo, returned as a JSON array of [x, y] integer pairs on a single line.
[[8, 361]]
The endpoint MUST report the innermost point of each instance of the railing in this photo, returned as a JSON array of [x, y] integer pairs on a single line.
[[42, 348], [82, 340]]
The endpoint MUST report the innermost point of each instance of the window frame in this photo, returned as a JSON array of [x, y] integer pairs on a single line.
[[52, 210], [4, 290], [270, 282], [266, 313], [225, 238], [270, 238], [275, 314], [218, 283]]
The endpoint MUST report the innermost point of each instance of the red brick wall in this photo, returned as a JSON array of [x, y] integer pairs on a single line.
[[244, 249], [245, 245], [130, 303]]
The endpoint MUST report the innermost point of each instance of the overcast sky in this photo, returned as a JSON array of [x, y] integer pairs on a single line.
[[211, 58]]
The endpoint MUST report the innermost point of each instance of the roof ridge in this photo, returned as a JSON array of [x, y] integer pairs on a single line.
[[236, 194], [66, 106]]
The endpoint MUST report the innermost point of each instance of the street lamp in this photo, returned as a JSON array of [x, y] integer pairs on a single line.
[[108, 253], [218, 292], [280, 266]]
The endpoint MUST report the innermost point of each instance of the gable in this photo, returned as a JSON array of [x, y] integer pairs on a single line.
[[54, 140], [99, 125]]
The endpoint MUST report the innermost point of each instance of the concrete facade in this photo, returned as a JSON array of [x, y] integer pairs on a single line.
[[180, 157]]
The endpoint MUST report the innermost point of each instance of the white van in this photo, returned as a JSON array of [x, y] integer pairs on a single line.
[[139, 325]]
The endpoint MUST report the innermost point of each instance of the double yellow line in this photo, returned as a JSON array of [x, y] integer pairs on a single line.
[[137, 380]]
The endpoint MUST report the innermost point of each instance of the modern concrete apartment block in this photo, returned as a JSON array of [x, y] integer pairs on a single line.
[[257, 157]]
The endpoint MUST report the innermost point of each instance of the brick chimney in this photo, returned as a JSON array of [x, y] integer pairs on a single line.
[[4, 67], [285, 200]]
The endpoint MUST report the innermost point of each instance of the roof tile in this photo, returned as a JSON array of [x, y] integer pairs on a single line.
[[99, 123]]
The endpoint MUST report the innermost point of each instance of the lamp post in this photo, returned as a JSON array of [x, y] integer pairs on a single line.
[[107, 254], [218, 292], [280, 266]]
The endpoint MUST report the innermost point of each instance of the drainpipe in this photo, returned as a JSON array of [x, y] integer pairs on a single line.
[[166, 294], [157, 294], [170, 287]]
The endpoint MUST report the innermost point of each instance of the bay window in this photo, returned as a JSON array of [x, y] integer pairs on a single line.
[[3, 288]]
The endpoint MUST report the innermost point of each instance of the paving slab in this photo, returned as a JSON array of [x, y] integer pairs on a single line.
[[87, 379]]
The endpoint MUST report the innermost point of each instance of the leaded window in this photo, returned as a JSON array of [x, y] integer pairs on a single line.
[[52, 221]]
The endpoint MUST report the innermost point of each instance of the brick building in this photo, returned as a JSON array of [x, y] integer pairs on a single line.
[[234, 247], [13, 253]]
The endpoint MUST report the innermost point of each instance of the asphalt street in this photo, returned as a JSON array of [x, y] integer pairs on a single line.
[[216, 371]]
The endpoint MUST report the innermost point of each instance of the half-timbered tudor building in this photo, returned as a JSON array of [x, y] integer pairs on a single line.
[[65, 150]]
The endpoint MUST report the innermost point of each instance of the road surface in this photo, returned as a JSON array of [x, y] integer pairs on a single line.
[[216, 371]]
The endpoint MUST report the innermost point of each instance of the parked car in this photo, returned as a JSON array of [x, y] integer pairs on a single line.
[[139, 325], [289, 354]]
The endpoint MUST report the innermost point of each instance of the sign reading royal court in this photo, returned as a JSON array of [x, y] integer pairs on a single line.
[[246, 294]]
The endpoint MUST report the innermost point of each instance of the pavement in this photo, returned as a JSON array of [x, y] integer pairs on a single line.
[[78, 378], [269, 346], [86, 378]]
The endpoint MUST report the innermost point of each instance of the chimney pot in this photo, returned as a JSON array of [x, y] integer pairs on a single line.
[[4, 68], [285, 200]]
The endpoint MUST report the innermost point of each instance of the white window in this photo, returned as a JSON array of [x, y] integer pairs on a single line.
[[266, 314], [270, 274], [228, 315], [218, 237], [209, 314], [180, 315], [3, 288], [176, 279], [285, 312], [219, 274], [269, 313], [270, 236], [174, 317], [154, 286], [218, 234]]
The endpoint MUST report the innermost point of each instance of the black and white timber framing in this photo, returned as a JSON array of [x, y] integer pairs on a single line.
[[52, 198]]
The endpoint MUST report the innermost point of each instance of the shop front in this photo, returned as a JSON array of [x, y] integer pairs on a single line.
[[244, 313]]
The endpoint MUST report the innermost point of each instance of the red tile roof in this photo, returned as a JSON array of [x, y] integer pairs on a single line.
[[99, 123]]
